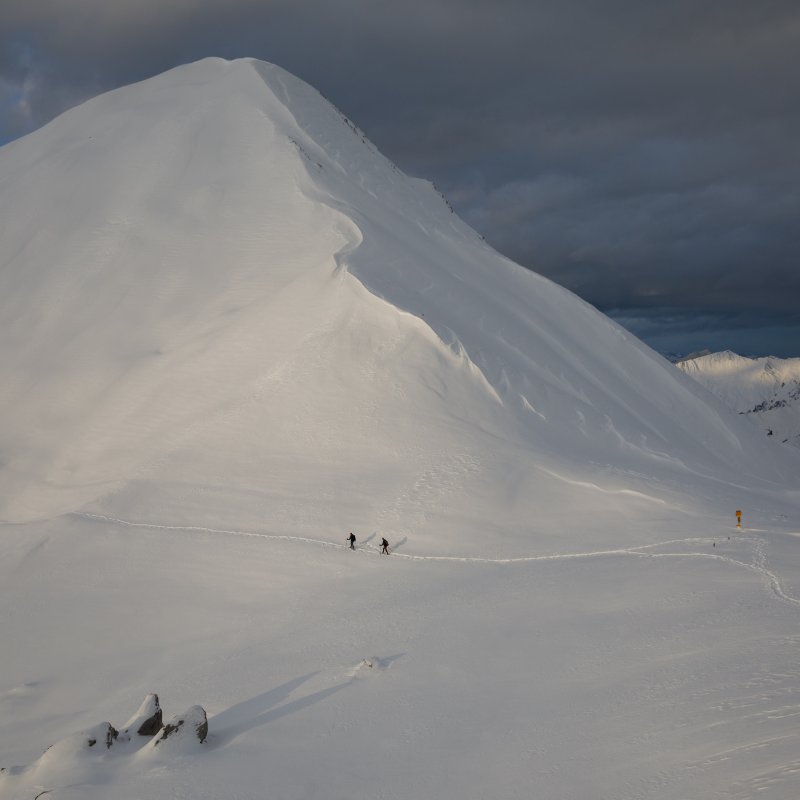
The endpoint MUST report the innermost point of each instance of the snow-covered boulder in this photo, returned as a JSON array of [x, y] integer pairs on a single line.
[[147, 721], [75, 759], [100, 736], [95, 755], [183, 733]]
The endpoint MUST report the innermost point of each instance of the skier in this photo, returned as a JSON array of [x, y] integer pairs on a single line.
[[352, 540], [384, 546]]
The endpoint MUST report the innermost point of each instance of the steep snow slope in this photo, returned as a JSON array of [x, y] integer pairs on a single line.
[[766, 390], [213, 286]]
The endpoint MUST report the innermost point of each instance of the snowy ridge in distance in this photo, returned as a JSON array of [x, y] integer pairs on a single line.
[[765, 390]]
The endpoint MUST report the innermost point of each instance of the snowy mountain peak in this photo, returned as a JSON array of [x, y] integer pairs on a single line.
[[213, 279], [765, 390]]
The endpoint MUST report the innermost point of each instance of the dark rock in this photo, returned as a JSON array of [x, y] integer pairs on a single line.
[[193, 722], [147, 721], [110, 734], [104, 732], [152, 725]]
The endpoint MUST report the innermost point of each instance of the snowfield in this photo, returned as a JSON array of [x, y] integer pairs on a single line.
[[233, 332]]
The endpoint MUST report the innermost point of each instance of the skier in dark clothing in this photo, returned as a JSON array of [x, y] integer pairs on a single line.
[[384, 546], [352, 540]]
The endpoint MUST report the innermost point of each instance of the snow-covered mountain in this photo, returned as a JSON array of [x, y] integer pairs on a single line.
[[233, 332], [213, 279], [765, 390]]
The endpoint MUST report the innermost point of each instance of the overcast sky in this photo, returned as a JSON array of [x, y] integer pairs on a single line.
[[643, 153]]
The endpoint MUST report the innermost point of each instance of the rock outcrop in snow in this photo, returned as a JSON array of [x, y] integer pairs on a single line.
[[102, 736], [188, 728], [78, 758], [147, 721]]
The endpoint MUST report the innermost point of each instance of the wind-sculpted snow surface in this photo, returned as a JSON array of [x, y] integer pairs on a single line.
[[233, 332]]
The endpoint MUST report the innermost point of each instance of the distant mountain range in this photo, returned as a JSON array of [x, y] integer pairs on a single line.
[[766, 390]]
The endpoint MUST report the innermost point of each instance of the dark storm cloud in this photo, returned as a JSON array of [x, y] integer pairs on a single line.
[[679, 333], [643, 153]]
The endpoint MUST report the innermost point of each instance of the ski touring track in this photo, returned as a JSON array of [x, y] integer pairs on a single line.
[[758, 566]]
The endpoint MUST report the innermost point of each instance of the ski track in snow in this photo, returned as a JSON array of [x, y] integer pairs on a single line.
[[758, 566]]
